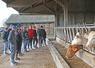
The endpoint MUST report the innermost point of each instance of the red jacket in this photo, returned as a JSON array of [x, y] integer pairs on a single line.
[[30, 33]]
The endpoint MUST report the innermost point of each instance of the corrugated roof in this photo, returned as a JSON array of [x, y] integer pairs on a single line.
[[30, 19]]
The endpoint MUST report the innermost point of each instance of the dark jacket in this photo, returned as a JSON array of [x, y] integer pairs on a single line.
[[25, 35], [5, 35], [12, 37], [34, 33], [41, 33], [19, 37]]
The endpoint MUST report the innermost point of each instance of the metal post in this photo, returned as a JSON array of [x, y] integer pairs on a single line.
[[76, 30], [70, 34], [82, 31], [67, 34], [73, 32]]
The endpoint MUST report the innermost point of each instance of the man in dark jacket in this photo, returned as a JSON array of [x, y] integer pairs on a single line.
[[19, 43], [35, 40], [41, 36], [12, 43]]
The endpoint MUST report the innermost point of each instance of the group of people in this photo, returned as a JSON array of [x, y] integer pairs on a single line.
[[30, 37]]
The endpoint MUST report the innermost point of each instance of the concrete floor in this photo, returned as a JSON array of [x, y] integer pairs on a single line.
[[37, 58]]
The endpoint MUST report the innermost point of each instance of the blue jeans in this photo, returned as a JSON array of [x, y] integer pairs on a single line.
[[30, 42], [13, 50], [40, 41], [6, 46], [26, 43], [35, 41]]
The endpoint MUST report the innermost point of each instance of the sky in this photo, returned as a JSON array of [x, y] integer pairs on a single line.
[[5, 12]]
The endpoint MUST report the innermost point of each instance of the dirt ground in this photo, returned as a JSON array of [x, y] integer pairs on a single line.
[[75, 62], [37, 58]]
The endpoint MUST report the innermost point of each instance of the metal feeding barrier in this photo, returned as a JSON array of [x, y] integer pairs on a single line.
[[68, 33]]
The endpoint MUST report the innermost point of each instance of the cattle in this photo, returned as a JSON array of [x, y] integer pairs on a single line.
[[90, 45], [88, 40], [76, 45]]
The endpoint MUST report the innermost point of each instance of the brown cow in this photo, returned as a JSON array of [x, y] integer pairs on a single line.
[[76, 45], [72, 49]]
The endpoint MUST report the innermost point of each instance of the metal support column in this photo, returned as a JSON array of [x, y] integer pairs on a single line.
[[70, 34]]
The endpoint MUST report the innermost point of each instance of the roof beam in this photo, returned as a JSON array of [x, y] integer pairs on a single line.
[[21, 5], [27, 13], [35, 13], [59, 3], [49, 9], [44, 3], [41, 3], [36, 4], [24, 9], [18, 6]]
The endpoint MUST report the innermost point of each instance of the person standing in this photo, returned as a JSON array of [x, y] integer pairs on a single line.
[[41, 36], [19, 43], [25, 40], [5, 40], [30, 35], [35, 40], [12, 43], [38, 36]]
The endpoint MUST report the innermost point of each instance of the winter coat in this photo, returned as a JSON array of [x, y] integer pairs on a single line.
[[41, 33], [25, 35], [12, 37], [5, 35], [34, 33], [19, 37], [30, 33]]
